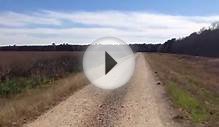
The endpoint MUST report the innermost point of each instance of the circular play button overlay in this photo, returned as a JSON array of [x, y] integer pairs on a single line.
[[108, 63]]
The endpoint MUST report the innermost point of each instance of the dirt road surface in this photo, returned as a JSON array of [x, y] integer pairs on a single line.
[[139, 103]]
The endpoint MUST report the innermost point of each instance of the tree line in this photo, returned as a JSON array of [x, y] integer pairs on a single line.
[[202, 43]]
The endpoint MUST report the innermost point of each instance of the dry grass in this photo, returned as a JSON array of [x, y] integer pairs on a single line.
[[14, 64], [33, 82], [192, 84], [32, 103]]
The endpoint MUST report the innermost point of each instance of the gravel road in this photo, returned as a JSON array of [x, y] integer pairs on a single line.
[[140, 103]]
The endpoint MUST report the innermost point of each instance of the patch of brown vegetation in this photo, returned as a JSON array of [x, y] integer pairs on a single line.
[[197, 76], [61, 70], [33, 102], [53, 64]]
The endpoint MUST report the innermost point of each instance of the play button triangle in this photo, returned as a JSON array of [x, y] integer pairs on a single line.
[[109, 62]]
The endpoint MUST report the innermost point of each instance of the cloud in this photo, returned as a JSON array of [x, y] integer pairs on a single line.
[[82, 27], [12, 19]]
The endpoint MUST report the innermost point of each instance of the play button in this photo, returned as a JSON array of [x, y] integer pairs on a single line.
[[108, 63]]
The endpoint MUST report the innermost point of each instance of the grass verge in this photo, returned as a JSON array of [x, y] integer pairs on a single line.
[[192, 85], [31, 103], [186, 101], [17, 85]]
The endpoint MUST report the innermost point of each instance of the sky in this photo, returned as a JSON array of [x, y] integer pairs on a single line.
[[42, 22]]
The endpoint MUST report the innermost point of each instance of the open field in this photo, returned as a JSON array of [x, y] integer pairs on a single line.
[[32, 82], [192, 85], [31, 98], [38, 62], [21, 70]]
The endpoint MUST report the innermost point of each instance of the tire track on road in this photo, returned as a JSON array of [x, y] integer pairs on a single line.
[[109, 111]]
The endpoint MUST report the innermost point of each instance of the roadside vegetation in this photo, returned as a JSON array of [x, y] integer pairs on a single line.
[[192, 85], [32, 82]]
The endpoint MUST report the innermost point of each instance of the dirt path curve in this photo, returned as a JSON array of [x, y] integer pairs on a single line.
[[140, 103]]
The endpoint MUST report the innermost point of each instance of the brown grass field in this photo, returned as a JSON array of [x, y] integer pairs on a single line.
[[32, 63], [27, 77], [192, 85]]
